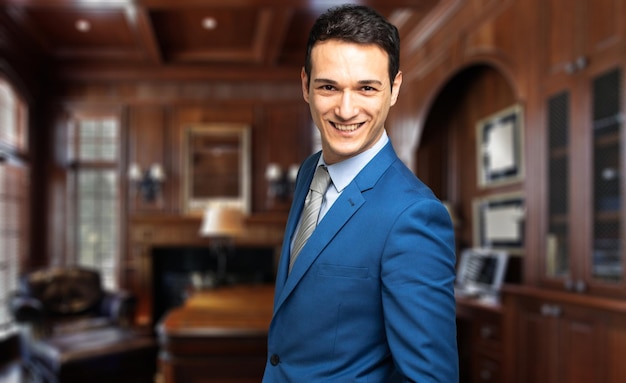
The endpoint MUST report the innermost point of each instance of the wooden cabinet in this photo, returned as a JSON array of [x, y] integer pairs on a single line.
[[582, 88], [480, 341], [578, 33], [562, 337], [570, 339], [488, 347], [566, 324]]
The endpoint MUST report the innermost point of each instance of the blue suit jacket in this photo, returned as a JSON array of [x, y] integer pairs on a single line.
[[370, 297]]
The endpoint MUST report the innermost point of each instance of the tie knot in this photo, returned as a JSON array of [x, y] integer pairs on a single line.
[[321, 180]]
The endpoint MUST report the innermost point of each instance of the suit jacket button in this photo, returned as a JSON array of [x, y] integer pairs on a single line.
[[274, 359]]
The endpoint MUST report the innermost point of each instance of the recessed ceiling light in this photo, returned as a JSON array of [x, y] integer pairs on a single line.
[[83, 25], [209, 23]]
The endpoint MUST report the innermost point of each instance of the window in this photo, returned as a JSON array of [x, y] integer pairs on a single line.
[[94, 195], [13, 127], [14, 193]]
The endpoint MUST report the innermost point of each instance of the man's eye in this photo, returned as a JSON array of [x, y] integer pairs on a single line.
[[368, 89], [327, 87]]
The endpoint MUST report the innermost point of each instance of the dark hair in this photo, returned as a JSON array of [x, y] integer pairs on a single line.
[[357, 24]]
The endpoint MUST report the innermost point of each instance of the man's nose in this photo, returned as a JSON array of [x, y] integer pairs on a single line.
[[347, 107]]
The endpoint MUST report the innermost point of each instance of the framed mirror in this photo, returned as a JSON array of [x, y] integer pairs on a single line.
[[216, 167]]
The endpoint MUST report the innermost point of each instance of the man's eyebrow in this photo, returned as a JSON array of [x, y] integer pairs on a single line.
[[324, 80], [370, 82], [361, 82]]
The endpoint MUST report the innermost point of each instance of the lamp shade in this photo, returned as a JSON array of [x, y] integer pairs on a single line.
[[221, 222], [134, 172], [273, 172], [157, 173]]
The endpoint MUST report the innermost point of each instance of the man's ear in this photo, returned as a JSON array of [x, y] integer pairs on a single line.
[[397, 82], [305, 85]]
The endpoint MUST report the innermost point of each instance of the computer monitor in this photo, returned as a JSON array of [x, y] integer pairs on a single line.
[[481, 271]]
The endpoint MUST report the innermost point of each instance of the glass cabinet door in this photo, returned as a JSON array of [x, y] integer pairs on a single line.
[[600, 264], [557, 241], [607, 242]]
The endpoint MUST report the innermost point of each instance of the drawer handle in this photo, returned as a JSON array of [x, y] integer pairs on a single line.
[[485, 375], [486, 332], [549, 310]]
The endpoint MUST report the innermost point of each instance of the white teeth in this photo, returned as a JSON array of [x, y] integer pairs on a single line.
[[347, 128]]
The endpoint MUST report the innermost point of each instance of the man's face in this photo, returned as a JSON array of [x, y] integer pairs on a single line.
[[349, 95]]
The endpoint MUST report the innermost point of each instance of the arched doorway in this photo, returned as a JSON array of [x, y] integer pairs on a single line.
[[446, 159]]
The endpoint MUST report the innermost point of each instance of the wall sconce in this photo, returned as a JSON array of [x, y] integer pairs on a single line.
[[281, 184], [148, 181]]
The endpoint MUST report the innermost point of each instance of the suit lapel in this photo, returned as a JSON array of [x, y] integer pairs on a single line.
[[348, 203], [305, 176], [341, 211]]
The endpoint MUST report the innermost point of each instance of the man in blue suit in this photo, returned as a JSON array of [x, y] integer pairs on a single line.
[[370, 296]]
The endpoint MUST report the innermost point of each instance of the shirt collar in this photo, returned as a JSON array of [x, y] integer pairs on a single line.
[[342, 173]]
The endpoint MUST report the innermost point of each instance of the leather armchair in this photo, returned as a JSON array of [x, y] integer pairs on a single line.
[[72, 330]]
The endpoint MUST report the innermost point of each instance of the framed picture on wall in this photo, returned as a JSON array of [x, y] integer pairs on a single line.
[[500, 147], [216, 159], [499, 222]]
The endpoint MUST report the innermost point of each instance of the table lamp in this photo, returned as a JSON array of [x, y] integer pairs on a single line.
[[221, 225]]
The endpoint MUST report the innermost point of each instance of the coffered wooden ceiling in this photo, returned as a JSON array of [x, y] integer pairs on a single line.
[[168, 36]]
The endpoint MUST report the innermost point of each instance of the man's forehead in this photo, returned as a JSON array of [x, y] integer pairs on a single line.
[[348, 57], [344, 44]]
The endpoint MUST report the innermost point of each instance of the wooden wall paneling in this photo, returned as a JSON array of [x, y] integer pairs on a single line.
[[175, 174], [147, 146], [583, 29], [495, 29], [616, 348], [193, 113], [579, 33], [534, 127], [48, 188], [259, 159], [21, 62], [286, 140], [605, 26], [432, 157], [562, 46]]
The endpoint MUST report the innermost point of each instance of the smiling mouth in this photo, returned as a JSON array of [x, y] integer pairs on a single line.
[[346, 128]]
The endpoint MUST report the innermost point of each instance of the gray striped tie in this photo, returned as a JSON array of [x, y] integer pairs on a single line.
[[311, 211]]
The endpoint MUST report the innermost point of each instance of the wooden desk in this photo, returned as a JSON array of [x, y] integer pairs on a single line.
[[219, 335]]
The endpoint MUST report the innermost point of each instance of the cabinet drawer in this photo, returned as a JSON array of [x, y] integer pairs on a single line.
[[486, 369], [488, 334]]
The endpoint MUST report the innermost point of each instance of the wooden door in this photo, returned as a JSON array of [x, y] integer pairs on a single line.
[[581, 340], [536, 345]]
